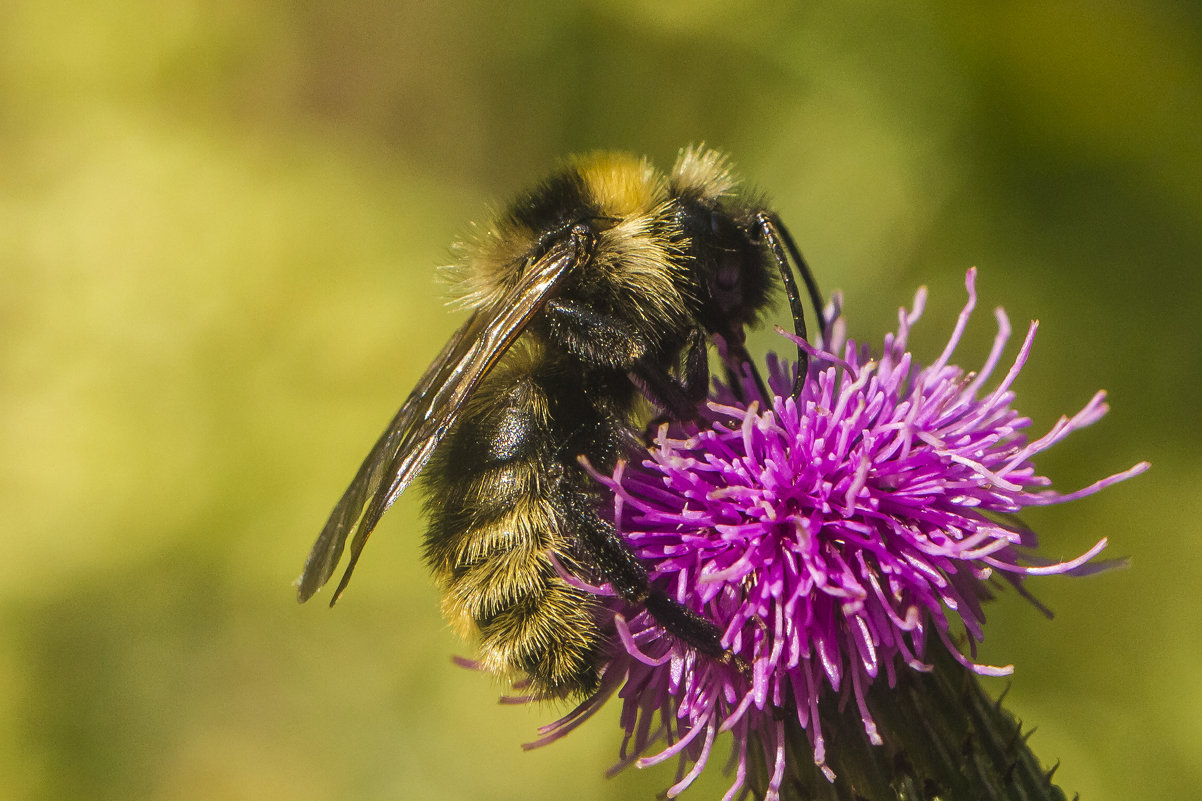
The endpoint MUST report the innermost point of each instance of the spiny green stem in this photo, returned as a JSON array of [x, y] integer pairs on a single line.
[[944, 738]]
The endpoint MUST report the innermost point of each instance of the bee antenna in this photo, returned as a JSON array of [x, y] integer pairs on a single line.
[[780, 242]]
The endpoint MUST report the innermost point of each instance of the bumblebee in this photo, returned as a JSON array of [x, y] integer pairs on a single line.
[[603, 285]]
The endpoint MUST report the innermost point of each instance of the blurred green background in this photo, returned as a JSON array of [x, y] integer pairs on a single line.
[[218, 222]]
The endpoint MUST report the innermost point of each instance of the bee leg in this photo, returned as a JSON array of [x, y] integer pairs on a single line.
[[594, 337], [680, 399], [696, 367], [668, 392], [605, 341], [738, 366], [628, 576]]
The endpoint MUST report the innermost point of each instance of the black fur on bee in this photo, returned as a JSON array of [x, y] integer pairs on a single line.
[[602, 285]]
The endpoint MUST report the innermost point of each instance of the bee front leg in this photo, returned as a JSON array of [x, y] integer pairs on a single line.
[[696, 367], [594, 337], [606, 341]]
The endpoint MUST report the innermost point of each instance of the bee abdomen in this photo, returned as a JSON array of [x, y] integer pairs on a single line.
[[493, 490]]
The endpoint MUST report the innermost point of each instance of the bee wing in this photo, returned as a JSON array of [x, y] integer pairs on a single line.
[[426, 416]]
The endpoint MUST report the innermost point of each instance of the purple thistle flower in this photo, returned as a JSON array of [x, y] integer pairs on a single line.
[[830, 536]]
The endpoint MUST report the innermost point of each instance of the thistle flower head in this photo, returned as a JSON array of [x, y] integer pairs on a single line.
[[835, 537]]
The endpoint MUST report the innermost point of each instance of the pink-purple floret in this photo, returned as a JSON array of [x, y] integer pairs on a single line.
[[830, 535]]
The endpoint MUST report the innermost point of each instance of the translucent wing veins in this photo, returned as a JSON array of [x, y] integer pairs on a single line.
[[429, 412]]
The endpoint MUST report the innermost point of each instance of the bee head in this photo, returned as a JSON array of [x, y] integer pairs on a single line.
[[729, 263]]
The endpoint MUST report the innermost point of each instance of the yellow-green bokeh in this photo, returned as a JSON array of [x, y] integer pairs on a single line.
[[218, 222]]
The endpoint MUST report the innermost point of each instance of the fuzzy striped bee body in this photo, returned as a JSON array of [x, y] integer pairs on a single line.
[[497, 504], [602, 285]]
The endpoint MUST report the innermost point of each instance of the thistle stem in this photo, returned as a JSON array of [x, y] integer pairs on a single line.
[[944, 738]]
